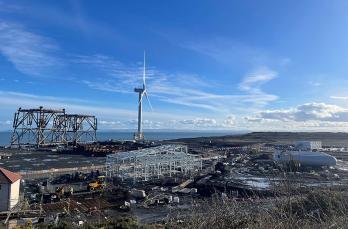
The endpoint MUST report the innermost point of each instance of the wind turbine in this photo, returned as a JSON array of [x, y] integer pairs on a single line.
[[139, 135]]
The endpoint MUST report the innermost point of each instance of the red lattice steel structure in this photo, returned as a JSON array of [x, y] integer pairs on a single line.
[[48, 127]]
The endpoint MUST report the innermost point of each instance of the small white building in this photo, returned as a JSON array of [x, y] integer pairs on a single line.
[[308, 145], [9, 189]]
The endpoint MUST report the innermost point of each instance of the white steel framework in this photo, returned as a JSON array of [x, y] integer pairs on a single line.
[[160, 161]]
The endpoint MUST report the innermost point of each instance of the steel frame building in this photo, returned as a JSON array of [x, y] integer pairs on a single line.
[[44, 127], [144, 164]]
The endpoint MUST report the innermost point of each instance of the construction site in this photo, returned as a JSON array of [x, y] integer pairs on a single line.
[[55, 171], [66, 175]]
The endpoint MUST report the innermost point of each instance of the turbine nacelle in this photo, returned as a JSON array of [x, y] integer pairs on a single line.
[[139, 90]]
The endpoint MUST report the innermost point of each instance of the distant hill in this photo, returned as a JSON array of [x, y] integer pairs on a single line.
[[339, 139]]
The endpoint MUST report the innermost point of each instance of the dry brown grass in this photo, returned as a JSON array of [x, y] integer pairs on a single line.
[[315, 209]]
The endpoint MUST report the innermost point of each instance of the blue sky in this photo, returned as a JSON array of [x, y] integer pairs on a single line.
[[235, 65]]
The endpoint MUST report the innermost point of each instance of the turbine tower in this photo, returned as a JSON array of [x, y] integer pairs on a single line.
[[139, 135]]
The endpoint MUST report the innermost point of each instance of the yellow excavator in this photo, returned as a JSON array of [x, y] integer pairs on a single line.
[[97, 184]]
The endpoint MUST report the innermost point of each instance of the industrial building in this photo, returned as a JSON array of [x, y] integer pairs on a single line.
[[305, 158], [9, 189], [165, 160]]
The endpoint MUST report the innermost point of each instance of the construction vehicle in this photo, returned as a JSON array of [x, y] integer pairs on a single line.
[[157, 199], [99, 184]]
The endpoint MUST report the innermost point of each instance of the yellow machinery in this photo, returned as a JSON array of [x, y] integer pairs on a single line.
[[98, 184]]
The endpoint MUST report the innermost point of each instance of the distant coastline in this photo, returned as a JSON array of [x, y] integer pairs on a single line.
[[149, 134]]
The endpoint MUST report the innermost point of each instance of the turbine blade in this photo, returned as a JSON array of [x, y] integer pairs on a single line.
[[148, 100], [144, 72], [141, 98]]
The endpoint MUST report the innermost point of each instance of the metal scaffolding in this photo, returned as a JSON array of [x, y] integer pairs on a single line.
[[160, 161], [45, 127], [79, 128], [35, 127]]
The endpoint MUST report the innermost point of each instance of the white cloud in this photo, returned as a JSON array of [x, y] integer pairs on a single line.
[[13, 100], [253, 81], [108, 123], [230, 121], [310, 116], [177, 88], [285, 61], [308, 112], [200, 122], [228, 51], [314, 84], [339, 97], [6, 122], [110, 116], [34, 55], [126, 74], [189, 124], [131, 123], [108, 86], [9, 7], [30, 53]]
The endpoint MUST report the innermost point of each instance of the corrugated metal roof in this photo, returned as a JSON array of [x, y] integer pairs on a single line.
[[8, 176]]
